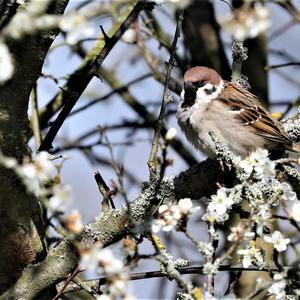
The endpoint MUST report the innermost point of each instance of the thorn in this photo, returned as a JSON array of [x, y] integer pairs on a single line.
[[106, 37]]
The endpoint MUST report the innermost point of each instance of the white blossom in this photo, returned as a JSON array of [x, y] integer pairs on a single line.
[[170, 135], [259, 164], [263, 218], [60, 195], [211, 268], [73, 222], [185, 206], [6, 63], [278, 240], [295, 211], [176, 3], [247, 22], [284, 190], [239, 231], [168, 219], [77, 28], [100, 260], [119, 284], [220, 202], [278, 287], [169, 216], [129, 36], [251, 256], [41, 168]]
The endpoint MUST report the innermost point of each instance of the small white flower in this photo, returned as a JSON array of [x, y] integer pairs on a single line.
[[185, 206], [295, 211], [71, 21], [169, 216], [129, 36], [170, 135], [90, 259], [278, 240], [101, 260], [77, 28], [284, 190], [247, 22], [258, 163], [220, 202], [60, 196], [73, 222], [265, 171], [288, 193], [41, 168], [251, 256], [6, 64], [10, 162], [119, 285], [211, 268], [263, 218], [278, 287], [239, 231]]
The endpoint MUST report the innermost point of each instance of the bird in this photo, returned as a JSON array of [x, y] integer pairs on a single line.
[[211, 105]]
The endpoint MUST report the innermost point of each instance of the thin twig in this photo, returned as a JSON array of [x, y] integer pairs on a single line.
[[105, 191], [67, 282], [159, 274], [35, 123], [152, 161], [292, 63]]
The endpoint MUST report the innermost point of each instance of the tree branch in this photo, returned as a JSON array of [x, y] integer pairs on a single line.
[[79, 80]]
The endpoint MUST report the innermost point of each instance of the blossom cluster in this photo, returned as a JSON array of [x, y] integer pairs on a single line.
[[247, 21], [40, 177], [258, 165], [252, 255], [102, 261], [77, 28], [169, 217], [218, 207]]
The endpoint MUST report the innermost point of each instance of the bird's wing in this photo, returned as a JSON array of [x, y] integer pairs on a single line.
[[249, 112]]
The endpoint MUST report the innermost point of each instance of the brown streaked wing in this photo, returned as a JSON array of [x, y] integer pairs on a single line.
[[250, 112]]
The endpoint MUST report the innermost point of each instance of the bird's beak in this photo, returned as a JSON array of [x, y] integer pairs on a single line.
[[188, 94], [188, 86]]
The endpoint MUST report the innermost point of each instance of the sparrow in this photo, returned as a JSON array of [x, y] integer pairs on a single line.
[[211, 105]]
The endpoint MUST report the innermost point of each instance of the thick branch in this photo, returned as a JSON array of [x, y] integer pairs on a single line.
[[198, 181]]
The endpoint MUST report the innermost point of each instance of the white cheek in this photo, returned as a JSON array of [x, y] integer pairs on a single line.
[[203, 97], [182, 95]]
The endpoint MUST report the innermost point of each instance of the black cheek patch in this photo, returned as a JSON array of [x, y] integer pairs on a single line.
[[210, 91], [189, 98]]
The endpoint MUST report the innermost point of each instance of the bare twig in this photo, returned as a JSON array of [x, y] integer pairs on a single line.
[[293, 63], [105, 191], [35, 123], [152, 161], [67, 282]]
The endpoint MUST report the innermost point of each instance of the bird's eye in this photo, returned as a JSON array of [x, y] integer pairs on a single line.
[[199, 83]]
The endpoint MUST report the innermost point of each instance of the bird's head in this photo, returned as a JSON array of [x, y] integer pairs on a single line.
[[201, 84]]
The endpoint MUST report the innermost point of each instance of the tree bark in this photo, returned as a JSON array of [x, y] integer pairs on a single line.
[[21, 230]]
